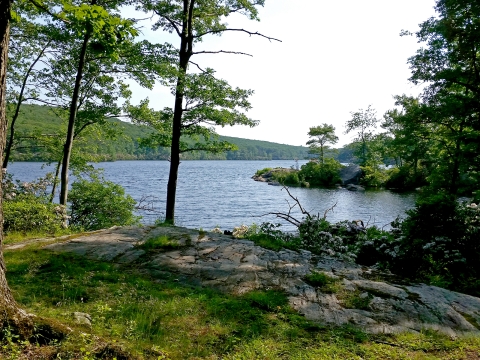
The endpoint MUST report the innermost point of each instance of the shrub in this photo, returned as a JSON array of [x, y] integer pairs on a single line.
[[33, 216], [26, 207], [263, 171], [269, 236], [373, 176], [326, 174], [99, 203]]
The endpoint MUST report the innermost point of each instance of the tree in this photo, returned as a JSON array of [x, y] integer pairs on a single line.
[[101, 31], [201, 100], [364, 122], [11, 314], [449, 66], [321, 136], [28, 45]]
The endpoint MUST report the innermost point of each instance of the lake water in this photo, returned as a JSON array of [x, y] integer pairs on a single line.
[[211, 193]]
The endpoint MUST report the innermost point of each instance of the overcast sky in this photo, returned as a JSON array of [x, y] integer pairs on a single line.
[[335, 57]]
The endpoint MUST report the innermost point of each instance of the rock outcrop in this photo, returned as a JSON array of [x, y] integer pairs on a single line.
[[351, 174], [237, 266]]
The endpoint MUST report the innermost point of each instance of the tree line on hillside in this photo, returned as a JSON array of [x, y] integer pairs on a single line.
[[38, 129]]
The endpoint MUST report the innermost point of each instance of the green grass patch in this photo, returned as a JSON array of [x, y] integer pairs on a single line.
[[150, 316], [14, 237], [161, 242], [324, 282], [355, 300], [267, 242]]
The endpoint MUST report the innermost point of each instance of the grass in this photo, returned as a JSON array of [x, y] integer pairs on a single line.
[[14, 237], [138, 315], [324, 282], [160, 243]]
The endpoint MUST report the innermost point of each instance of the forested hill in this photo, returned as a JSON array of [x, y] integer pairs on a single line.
[[40, 132]]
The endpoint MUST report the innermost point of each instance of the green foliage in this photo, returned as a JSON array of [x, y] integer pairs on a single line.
[[32, 216], [269, 236], [439, 241], [362, 121], [262, 171], [405, 178], [373, 176], [97, 203], [26, 208], [318, 174], [320, 137]]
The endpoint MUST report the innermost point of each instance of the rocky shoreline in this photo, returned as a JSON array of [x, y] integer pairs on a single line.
[[350, 176]]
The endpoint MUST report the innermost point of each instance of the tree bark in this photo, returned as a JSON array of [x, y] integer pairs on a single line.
[[10, 314], [67, 149], [185, 53]]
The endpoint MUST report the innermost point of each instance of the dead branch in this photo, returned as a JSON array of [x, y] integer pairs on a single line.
[[370, 218], [222, 52], [304, 212], [329, 209], [241, 30], [146, 203]]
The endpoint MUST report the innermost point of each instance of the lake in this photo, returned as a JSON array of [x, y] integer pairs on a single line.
[[211, 193]]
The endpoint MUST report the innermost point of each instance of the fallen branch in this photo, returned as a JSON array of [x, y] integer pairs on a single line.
[[146, 203]]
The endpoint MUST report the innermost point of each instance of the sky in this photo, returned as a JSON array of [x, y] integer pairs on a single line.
[[334, 58]]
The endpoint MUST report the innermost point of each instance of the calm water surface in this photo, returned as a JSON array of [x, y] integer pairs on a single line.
[[211, 193]]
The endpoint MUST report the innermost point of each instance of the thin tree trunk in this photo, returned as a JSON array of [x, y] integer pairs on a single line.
[[55, 179], [186, 45], [67, 150], [456, 163], [10, 314], [17, 108]]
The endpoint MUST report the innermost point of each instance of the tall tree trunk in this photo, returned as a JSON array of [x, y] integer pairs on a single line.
[[10, 314], [185, 52], [175, 147], [67, 150]]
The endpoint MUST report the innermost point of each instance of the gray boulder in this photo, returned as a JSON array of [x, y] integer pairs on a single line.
[[351, 174], [352, 187]]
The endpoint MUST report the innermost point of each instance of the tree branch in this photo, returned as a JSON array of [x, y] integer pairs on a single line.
[[221, 51], [240, 30]]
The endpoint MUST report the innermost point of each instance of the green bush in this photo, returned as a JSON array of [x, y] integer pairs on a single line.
[[373, 176], [439, 240], [404, 178], [263, 171], [326, 174], [26, 208], [99, 204], [32, 216], [269, 236]]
